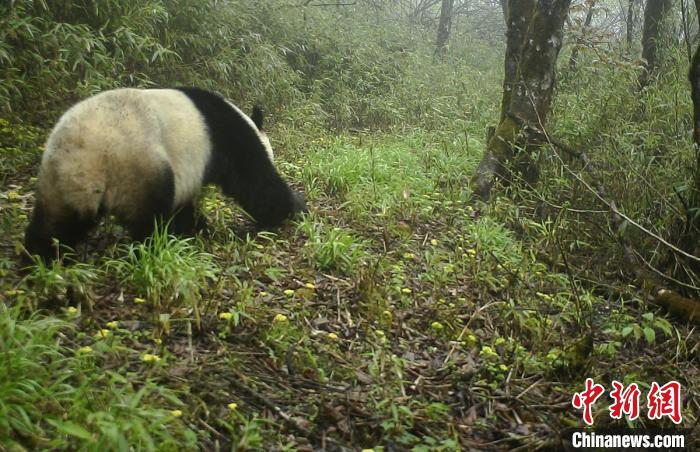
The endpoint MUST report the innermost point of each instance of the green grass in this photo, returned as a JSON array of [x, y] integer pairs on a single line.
[[59, 394], [165, 269], [398, 314], [394, 278]]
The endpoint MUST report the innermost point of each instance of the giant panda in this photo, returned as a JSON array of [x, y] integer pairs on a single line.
[[143, 155]]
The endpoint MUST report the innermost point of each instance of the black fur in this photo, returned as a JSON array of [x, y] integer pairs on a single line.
[[156, 207], [240, 165], [188, 221], [71, 227]]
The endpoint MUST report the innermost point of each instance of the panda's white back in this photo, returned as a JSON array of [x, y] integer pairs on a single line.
[[111, 143], [186, 139]]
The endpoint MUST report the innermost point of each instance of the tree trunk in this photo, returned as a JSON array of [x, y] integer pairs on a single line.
[[444, 26], [654, 15], [504, 7], [579, 41], [692, 235], [535, 32], [631, 19], [517, 23], [686, 29]]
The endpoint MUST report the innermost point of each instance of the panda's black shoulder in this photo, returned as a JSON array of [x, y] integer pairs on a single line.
[[226, 124], [212, 105], [236, 144]]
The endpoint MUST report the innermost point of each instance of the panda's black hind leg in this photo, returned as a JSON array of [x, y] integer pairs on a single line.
[[188, 221], [70, 228], [155, 206]]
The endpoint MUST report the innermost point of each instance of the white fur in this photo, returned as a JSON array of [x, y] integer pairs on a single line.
[[105, 149]]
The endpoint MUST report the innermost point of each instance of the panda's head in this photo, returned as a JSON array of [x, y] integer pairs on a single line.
[[257, 118]]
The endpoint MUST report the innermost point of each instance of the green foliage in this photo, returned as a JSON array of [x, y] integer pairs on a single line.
[[165, 269], [347, 73], [395, 297], [54, 279], [57, 398], [331, 248]]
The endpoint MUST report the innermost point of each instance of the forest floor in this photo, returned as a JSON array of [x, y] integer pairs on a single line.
[[396, 315]]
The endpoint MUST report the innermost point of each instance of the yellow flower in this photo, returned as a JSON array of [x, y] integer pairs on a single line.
[[333, 336], [158, 340], [113, 324], [367, 450], [503, 367], [408, 255], [289, 292], [499, 341], [71, 310], [12, 196], [437, 326], [86, 349], [232, 406], [225, 316], [310, 285], [176, 413], [380, 333], [406, 290], [263, 294], [139, 300], [487, 351], [387, 314], [103, 333], [434, 242], [150, 358], [280, 318]]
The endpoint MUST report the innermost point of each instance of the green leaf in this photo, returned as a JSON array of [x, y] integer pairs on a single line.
[[72, 429], [626, 331], [649, 334]]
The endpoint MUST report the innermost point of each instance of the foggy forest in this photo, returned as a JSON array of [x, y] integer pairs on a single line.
[[349, 225]]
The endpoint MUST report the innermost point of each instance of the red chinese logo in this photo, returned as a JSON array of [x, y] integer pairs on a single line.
[[587, 398], [626, 401], [662, 401], [665, 401]]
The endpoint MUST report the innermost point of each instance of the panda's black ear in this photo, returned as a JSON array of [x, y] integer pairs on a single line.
[[257, 117]]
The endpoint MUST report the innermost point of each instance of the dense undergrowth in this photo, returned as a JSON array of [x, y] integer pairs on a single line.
[[397, 314]]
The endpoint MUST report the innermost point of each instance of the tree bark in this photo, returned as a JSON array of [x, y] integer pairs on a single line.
[[517, 23], [504, 7], [631, 19], [654, 15], [692, 234], [535, 30], [579, 41], [444, 26]]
